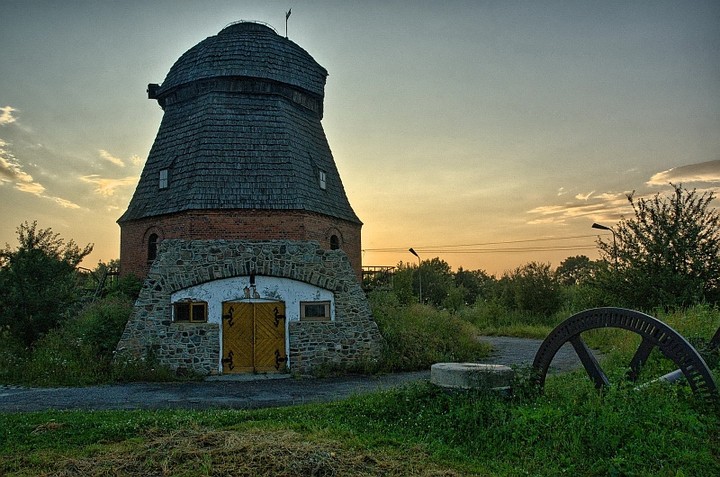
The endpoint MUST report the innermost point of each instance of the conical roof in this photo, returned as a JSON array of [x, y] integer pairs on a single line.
[[252, 50], [241, 130]]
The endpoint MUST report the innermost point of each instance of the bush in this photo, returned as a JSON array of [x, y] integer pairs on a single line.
[[13, 356], [128, 369], [667, 254], [77, 353], [531, 289], [38, 282], [419, 336]]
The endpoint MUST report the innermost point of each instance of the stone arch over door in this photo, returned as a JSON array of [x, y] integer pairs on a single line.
[[180, 264]]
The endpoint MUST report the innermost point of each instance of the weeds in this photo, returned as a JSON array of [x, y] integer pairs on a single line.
[[418, 336], [570, 429]]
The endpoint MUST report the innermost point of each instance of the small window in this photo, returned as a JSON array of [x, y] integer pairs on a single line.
[[314, 311], [152, 247], [334, 242], [323, 180], [190, 312], [163, 183]]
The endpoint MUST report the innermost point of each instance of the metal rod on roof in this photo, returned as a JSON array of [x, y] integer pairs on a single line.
[[287, 15]]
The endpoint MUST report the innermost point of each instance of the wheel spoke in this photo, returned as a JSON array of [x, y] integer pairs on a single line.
[[714, 341], [640, 358], [589, 362]]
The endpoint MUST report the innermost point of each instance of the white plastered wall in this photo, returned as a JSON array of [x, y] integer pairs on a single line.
[[291, 292]]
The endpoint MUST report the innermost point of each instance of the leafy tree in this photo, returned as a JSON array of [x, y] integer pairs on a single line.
[[437, 280], [105, 274], [474, 284], [531, 288], [575, 270], [38, 282], [667, 254], [402, 283]]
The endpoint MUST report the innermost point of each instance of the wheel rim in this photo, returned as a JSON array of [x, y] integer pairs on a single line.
[[654, 334]]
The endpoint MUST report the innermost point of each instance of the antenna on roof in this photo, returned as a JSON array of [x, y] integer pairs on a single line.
[[287, 15]]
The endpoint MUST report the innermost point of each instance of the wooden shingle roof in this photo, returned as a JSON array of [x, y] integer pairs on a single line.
[[241, 130], [252, 50]]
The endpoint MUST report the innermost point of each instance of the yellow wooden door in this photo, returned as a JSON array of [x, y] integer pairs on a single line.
[[238, 338], [253, 337], [270, 337]]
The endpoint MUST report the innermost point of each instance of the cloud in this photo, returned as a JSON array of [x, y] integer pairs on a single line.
[[584, 197], [65, 203], [110, 158], [12, 172], [106, 187], [6, 116], [605, 206], [703, 172], [26, 184]]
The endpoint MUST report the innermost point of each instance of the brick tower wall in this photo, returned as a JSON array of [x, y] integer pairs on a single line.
[[236, 225]]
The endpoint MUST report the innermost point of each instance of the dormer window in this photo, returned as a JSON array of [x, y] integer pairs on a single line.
[[163, 181], [323, 180]]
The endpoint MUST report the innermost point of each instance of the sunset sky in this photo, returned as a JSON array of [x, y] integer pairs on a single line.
[[487, 133]]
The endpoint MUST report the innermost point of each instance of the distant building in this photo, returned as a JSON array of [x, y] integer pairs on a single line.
[[240, 224]]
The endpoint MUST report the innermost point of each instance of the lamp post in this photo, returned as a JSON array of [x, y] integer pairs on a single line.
[[419, 274], [595, 225]]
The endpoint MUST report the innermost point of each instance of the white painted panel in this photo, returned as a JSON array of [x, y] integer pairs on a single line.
[[291, 292]]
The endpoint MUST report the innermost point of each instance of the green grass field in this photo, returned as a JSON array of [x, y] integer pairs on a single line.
[[416, 430], [570, 429]]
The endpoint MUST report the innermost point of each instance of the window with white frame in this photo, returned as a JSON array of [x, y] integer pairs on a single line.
[[323, 180], [314, 311]]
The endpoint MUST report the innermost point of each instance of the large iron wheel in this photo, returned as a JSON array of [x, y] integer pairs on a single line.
[[654, 333]]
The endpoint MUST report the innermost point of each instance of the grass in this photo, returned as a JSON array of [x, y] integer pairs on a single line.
[[571, 429], [490, 318], [416, 430]]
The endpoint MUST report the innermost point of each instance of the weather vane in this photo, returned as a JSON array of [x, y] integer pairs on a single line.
[[287, 15]]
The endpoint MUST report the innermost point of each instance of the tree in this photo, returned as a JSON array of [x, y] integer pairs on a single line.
[[38, 282], [668, 253], [474, 283], [575, 270], [437, 280], [402, 283], [531, 288]]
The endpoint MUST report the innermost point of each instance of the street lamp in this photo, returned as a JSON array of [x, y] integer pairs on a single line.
[[603, 227], [419, 274]]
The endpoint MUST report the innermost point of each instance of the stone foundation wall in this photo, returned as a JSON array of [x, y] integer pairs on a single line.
[[333, 344], [180, 264]]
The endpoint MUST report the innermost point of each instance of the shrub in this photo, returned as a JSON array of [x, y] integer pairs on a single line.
[[77, 353], [667, 254], [531, 288], [13, 357], [38, 282], [419, 336], [147, 368]]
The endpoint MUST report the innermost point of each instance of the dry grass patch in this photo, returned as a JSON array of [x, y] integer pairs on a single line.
[[249, 452]]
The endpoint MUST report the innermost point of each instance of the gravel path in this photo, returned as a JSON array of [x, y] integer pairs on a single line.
[[249, 392], [521, 352]]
